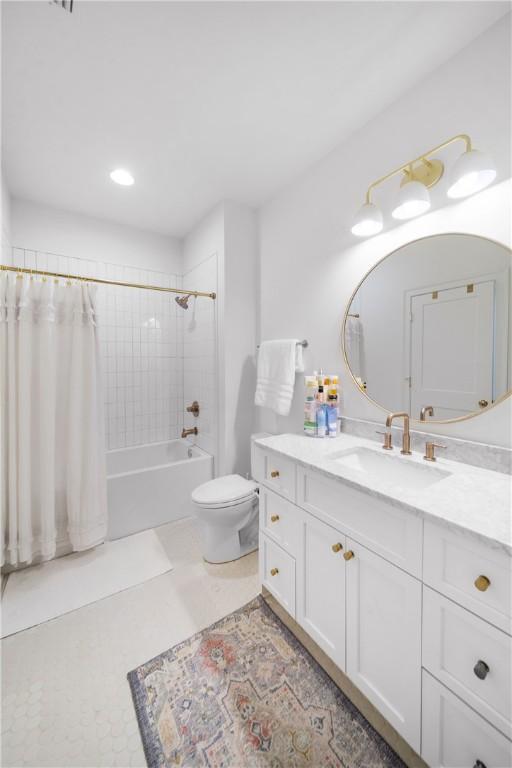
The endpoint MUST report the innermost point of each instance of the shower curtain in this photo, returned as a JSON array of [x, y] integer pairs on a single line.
[[52, 452]]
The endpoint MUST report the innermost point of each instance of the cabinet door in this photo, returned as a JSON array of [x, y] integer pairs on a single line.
[[384, 638], [321, 587]]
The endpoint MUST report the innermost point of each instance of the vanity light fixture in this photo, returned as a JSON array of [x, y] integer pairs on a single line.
[[472, 172], [123, 177]]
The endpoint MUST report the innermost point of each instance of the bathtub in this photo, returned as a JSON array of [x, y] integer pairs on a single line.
[[150, 485]]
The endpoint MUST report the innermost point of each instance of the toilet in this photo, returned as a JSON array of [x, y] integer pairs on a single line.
[[227, 511]]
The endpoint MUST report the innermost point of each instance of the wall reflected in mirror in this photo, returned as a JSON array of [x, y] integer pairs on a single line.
[[429, 330]]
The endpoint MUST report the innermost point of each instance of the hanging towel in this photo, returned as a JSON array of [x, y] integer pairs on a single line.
[[278, 361], [354, 345]]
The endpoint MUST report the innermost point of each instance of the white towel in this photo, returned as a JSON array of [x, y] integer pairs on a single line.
[[278, 361], [354, 345]]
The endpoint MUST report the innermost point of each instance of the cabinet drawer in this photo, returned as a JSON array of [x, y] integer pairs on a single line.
[[391, 532], [277, 573], [454, 736], [280, 520], [277, 472], [456, 565], [454, 642]]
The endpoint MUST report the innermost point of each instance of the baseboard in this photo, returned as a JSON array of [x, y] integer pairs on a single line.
[[358, 699]]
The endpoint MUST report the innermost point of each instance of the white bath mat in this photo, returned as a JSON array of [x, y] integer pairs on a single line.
[[45, 591]]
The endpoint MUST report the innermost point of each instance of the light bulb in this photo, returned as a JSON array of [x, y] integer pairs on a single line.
[[120, 176]]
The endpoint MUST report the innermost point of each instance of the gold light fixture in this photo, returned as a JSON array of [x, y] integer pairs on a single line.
[[472, 172]]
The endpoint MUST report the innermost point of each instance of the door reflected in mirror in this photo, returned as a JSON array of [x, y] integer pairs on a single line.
[[428, 330]]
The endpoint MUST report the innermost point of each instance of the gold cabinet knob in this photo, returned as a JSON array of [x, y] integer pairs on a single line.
[[274, 473], [348, 555], [482, 583], [274, 571], [274, 518], [483, 403], [336, 547]]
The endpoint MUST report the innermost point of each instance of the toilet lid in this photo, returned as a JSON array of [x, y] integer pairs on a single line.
[[223, 490]]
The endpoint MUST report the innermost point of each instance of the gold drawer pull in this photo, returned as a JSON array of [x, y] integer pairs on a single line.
[[274, 473], [274, 518], [274, 571], [348, 555], [482, 583], [336, 547]]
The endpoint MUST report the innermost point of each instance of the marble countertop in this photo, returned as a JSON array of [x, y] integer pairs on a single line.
[[470, 499]]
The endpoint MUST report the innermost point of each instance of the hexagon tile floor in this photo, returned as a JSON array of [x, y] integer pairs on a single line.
[[65, 696]]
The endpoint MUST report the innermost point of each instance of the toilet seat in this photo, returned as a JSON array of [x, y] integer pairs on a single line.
[[226, 491]]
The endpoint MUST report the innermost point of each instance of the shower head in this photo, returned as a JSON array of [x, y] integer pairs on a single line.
[[183, 301]]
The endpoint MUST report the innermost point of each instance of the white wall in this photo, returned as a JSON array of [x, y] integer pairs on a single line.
[[6, 223], [228, 234], [241, 298], [200, 373], [310, 262], [203, 256], [42, 228]]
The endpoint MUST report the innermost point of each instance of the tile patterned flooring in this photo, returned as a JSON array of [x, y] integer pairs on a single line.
[[65, 697]]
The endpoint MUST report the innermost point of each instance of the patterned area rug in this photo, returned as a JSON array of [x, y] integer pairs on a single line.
[[244, 693]]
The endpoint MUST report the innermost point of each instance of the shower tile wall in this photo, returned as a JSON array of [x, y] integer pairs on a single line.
[[140, 336], [200, 354]]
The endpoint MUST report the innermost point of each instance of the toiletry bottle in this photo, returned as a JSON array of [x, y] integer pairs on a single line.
[[310, 406], [332, 415], [332, 408], [321, 413]]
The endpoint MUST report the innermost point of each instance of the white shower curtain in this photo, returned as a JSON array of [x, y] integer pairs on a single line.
[[52, 452]]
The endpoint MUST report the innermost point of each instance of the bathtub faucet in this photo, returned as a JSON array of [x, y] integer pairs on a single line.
[[187, 432]]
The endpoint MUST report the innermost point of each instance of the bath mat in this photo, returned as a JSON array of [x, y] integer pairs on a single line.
[[244, 693], [43, 592]]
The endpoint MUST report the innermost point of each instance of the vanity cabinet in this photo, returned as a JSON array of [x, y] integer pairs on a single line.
[[416, 615]]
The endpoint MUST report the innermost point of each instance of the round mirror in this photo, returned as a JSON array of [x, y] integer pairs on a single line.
[[429, 328]]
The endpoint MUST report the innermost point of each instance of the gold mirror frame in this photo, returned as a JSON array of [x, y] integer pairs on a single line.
[[473, 415]]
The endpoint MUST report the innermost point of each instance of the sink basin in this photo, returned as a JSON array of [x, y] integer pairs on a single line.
[[392, 470]]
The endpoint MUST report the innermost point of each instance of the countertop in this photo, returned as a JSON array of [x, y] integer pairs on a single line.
[[472, 500]]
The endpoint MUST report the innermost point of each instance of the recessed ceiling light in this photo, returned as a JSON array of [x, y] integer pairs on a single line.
[[120, 176]]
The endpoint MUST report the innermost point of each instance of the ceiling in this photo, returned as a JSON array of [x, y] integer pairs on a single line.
[[203, 101]]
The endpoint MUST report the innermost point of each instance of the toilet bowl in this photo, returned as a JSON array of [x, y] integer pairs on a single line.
[[227, 511]]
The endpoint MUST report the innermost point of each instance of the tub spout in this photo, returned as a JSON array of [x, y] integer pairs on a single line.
[[187, 432]]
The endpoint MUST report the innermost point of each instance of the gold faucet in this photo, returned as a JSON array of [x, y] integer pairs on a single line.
[[427, 410], [406, 439], [187, 432]]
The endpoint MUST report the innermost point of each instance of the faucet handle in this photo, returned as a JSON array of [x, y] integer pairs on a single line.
[[429, 451], [387, 445]]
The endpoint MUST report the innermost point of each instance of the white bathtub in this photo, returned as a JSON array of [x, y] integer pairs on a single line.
[[150, 485]]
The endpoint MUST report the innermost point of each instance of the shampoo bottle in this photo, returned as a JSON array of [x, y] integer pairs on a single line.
[[310, 406], [332, 408], [321, 413]]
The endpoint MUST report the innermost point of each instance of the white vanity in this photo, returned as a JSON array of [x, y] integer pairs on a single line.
[[400, 571]]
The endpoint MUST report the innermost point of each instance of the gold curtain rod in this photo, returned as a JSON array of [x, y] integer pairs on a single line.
[[27, 271]]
